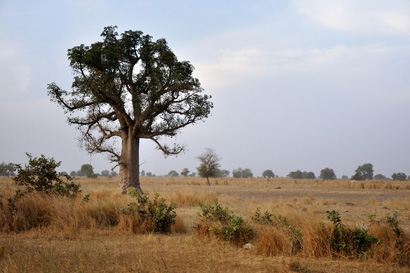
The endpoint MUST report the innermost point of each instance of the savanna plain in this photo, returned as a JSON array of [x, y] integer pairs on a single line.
[[288, 226]]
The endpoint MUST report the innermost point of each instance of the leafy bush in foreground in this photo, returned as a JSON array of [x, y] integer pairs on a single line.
[[40, 175], [154, 215], [222, 223], [349, 241]]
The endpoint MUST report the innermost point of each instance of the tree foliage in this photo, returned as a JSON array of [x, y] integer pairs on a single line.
[[268, 174], [209, 166], [379, 177], [129, 87], [185, 172], [301, 175], [327, 174], [173, 173], [6, 169], [88, 170], [40, 175], [242, 173], [399, 176], [365, 170]]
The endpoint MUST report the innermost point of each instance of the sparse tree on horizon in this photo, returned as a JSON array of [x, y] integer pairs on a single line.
[[185, 172], [268, 174], [209, 164], [7, 169], [130, 87], [173, 173], [242, 173], [327, 174], [399, 176], [365, 170], [379, 177]]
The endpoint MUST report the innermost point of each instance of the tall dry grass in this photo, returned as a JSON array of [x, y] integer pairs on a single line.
[[69, 234]]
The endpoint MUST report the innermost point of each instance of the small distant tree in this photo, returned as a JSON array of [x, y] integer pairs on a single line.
[[88, 170], [114, 174], [105, 173], [358, 176], [345, 177], [366, 170], [185, 172], [327, 174], [247, 173], [142, 173], [242, 173], [296, 175], [237, 173], [209, 164], [268, 174], [149, 174], [173, 173], [379, 177], [6, 169], [308, 175], [222, 173], [399, 176], [193, 174]]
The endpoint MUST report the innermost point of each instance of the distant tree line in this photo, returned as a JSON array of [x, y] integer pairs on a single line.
[[88, 171], [210, 168]]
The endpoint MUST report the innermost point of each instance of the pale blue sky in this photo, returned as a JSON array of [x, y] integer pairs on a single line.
[[303, 84]]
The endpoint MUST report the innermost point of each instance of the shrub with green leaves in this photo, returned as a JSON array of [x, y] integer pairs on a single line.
[[347, 240], [156, 214], [222, 223], [40, 175]]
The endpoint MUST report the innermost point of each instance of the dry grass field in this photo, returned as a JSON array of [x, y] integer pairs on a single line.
[[55, 234]]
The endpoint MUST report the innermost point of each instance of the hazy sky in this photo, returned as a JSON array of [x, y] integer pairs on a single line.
[[303, 84]]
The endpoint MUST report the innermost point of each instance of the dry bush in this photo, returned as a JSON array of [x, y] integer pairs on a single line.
[[273, 242]]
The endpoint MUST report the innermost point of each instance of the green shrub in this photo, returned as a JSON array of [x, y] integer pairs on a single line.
[[41, 175], [223, 224], [349, 241], [155, 214]]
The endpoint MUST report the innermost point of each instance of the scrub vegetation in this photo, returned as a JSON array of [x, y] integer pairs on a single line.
[[185, 225]]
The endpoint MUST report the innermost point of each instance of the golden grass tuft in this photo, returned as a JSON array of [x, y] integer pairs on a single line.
[[190, 197]]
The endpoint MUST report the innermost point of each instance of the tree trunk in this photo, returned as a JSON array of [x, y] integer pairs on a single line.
[[129, 164], [207, 180]]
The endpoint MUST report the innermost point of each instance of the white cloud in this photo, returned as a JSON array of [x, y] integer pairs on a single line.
[[391, 17]]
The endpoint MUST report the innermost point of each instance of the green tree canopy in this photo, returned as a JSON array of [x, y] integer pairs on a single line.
[[128, 87], [242, 173], [366, 170], [173, 173], [399, 176], [327, 174], [268, 174], [185, 172], [6, 169], [88, 170]]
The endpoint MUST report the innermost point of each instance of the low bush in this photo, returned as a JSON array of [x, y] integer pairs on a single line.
[[147, 215], [349, 241], [221, 222]]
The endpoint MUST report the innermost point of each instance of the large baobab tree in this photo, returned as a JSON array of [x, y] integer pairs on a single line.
[[130, 87]]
